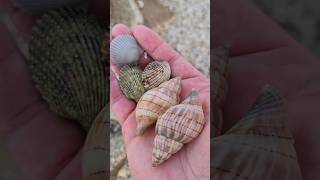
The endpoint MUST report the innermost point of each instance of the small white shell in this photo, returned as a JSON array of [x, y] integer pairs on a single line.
[[124, 49], [40, 6]]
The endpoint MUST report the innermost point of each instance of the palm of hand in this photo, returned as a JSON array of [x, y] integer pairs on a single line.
[[193, 160]]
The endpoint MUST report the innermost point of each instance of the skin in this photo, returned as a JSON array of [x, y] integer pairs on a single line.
[[193, 160], [46, 146]]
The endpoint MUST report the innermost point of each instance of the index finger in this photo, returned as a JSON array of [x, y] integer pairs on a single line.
[[155, 46]]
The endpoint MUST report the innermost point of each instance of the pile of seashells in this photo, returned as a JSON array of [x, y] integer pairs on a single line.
[[157, 98]]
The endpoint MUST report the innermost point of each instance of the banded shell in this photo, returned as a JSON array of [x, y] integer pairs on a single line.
[[124, 49], [155, 102], [95, 154], [259, 146], [67, 66], [130, 82], [179, 125], [39, 6], [219, 87], [155, 73]]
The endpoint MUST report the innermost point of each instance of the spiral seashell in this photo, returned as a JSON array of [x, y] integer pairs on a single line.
[[95, 154], [40, 6], [219, 88], [179, 125], [124, 49], [155, 102], [155, 73], [66, 64], [130, 82], [259, 146]]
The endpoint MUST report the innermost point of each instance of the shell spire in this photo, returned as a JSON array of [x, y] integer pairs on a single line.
[[155, 102], [179, 125], [259, 146]]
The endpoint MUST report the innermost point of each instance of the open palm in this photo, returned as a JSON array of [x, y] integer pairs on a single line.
[[193, 160]]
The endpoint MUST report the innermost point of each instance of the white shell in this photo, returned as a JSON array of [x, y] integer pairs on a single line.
[[39, 6], [124, 49]]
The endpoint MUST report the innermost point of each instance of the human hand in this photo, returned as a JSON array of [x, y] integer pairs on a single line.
[[43, 145], [193, 160], [262, 53]]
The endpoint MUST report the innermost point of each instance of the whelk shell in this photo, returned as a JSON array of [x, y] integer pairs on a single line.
[[155, 102], [179, 125], [67, 65], [155, 73], [124, 49], [219, 87], [259, 146], [130, 82]]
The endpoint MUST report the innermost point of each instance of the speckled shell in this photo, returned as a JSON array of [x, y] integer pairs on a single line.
[[40, 6], [155, 102], [130, 82], [179, 125], [259, 146], [124, 49], [67, 65], [219, 89], [155, 73]]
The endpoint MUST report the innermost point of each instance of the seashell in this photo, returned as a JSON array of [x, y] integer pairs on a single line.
[[259, 146], [67, 65], [219, 87], [179, 125], [40, 6], [155, 73], [130, 82], [155, 102], [95, 154], [124, 49]]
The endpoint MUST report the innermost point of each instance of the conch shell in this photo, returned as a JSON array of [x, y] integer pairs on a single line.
[[219, 88], [155, 102], [259, 146], [124, 49], [130, 82], [155, 73], [179, 125]]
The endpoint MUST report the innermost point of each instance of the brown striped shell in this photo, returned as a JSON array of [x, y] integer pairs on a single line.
[[155, 102], [179, 125], [219, 88], [67, 65], [130, 82], [155, 73], [259, 146]]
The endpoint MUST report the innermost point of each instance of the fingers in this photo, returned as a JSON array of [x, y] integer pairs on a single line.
[[154, 45], [245, 29]]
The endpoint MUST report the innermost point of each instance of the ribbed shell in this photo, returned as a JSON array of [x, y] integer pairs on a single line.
[[39, 6], [179, 125], [219, 87], [95, 155], [130, 82], [124, 49], [67, 65], [155, 102], [259, 146], [155, 73]]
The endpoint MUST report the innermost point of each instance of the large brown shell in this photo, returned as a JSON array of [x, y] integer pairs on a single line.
[[130, 82], [179, 125], [259, 147], [67, 64], [155, 102], [155, 73], [218, 75]]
